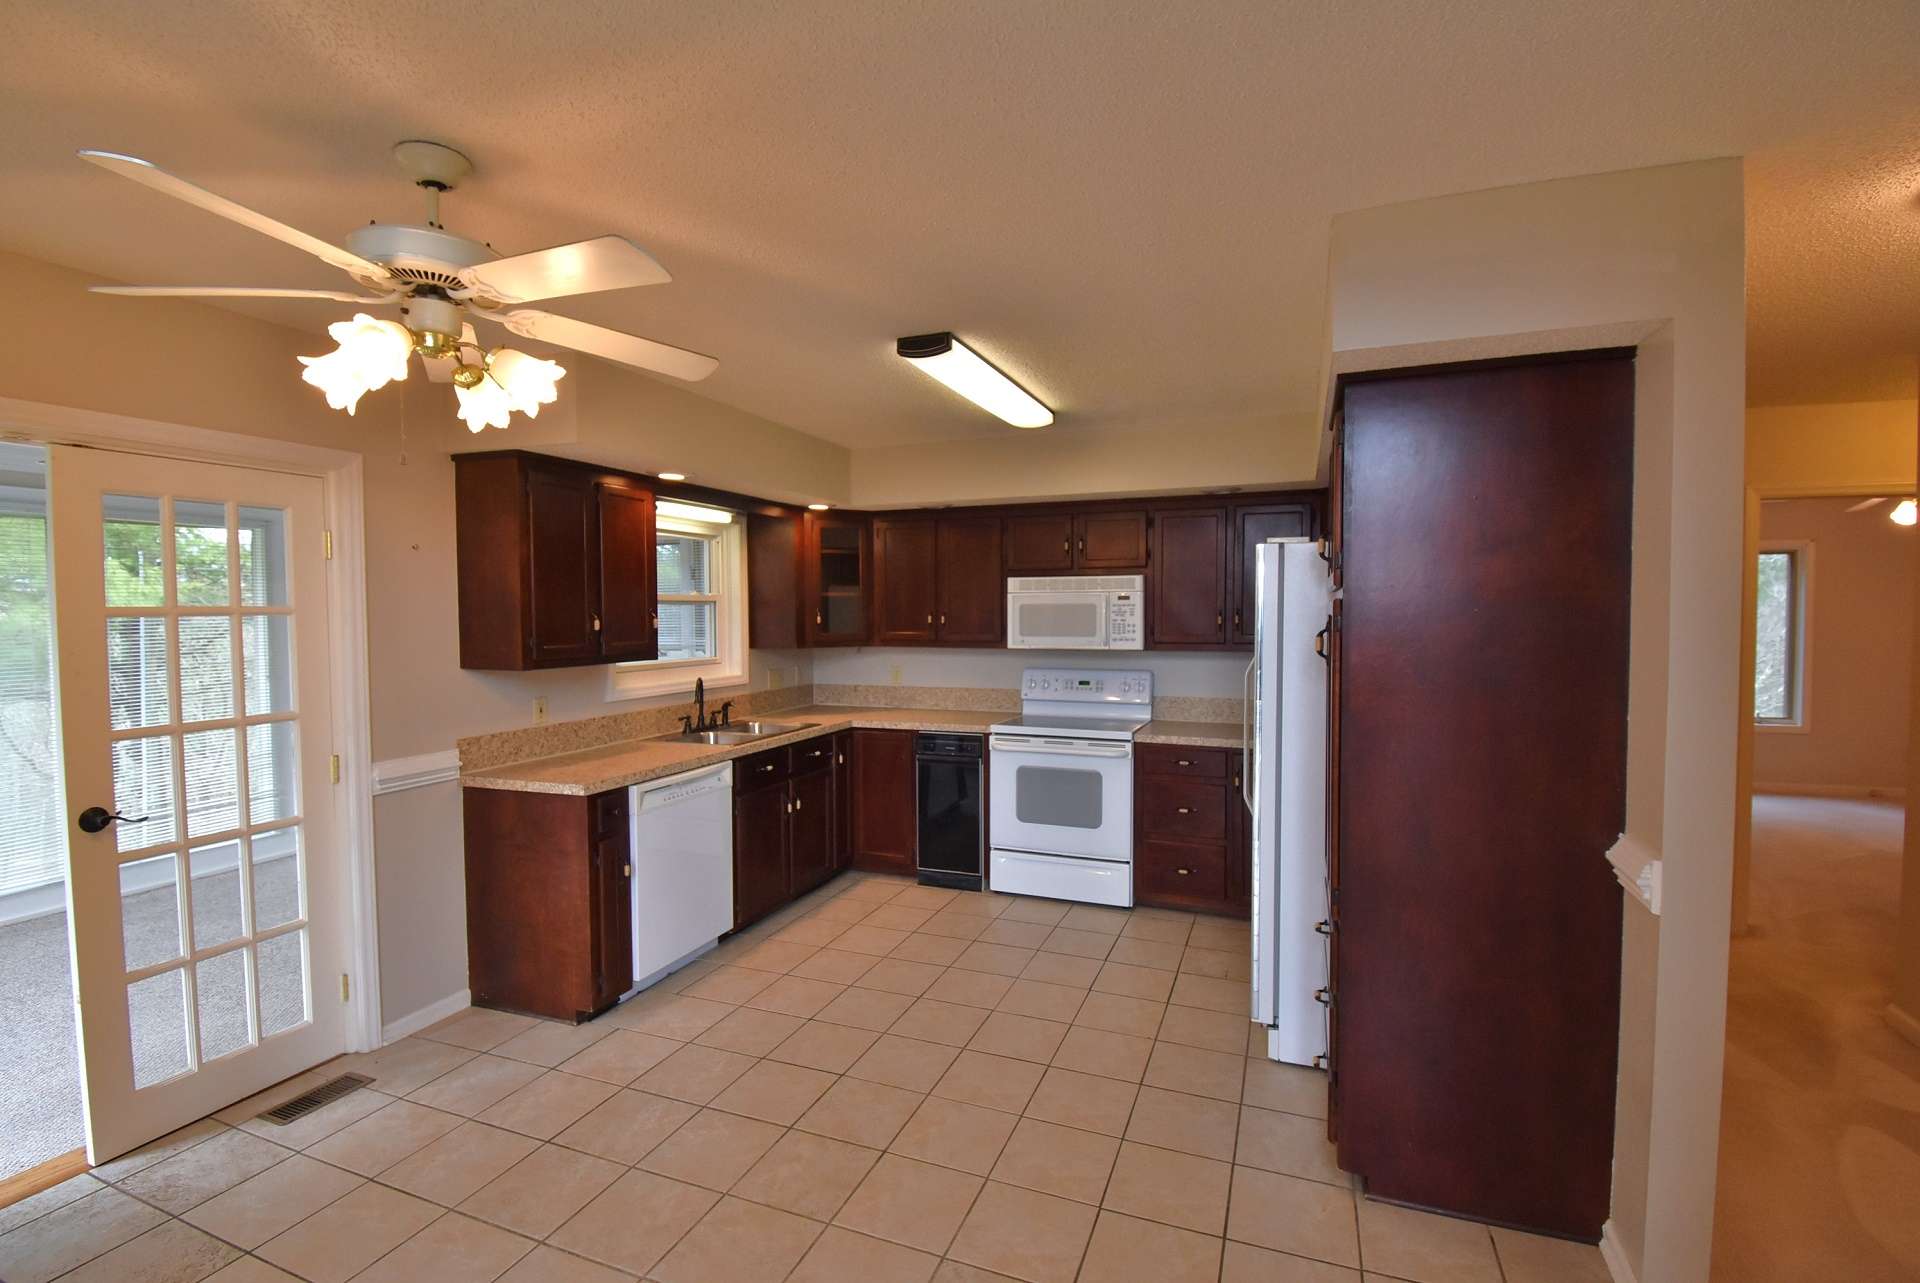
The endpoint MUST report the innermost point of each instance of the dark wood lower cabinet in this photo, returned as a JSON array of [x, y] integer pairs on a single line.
[[1191, 848], [842, 800], [886, 835], [1485, 551], [549, 907], [783, 826], [760, 870], [810, 829]]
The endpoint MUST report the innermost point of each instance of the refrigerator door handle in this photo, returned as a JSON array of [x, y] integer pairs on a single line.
[[1246, 735]]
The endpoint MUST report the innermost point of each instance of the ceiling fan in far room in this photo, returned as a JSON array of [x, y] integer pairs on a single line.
[[1905, 512], [437, 280]]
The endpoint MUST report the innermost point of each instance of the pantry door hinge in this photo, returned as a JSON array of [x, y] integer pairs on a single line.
[[326, 543], [333, 765]]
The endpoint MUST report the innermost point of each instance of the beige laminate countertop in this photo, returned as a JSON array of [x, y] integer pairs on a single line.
[[612, 766]]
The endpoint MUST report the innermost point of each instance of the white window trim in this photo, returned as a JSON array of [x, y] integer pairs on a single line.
[[647, 678], [1801, 723]]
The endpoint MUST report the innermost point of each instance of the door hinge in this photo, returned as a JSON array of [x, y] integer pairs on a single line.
[[333, 766], [326, 543], [345, 988]]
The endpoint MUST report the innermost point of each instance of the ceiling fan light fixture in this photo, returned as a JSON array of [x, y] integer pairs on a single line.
[[946, 358], [1905, 513], [528, 380], [484, 405], [369, 354]]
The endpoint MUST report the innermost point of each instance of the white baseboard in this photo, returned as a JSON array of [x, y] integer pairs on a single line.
[[431, 1014], [393, 774], [1903, 1023], [1615, 1256], [1887, 793]]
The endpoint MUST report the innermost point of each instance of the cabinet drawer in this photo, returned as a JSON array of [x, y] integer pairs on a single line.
[[1184, 810], [1181, 873], [759, 769], [1178, 759], [811, 755]]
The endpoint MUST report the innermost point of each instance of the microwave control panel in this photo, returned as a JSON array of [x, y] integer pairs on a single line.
[[1124, 612]]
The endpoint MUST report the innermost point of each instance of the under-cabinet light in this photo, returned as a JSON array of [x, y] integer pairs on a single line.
[[818, 507], [692, 512], [965, 371], [673, 476]]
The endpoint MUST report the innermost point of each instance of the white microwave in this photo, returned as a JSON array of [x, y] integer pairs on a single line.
[[1090, 612]]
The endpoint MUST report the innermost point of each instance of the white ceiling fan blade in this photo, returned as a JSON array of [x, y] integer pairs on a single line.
[[1865, 504], [239, 291], [597, 340], [148, 174], [584, 267], [440, 369]]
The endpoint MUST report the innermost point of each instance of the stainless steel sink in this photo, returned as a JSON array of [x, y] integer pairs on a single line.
[[737, 733]]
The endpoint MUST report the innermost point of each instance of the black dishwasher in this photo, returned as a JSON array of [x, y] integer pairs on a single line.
[[952, 816]]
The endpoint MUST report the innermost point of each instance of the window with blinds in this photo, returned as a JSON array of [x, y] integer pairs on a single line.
[[688, 598], [33, 850]]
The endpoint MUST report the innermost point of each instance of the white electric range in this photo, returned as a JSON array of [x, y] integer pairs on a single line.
[[1061, 802]]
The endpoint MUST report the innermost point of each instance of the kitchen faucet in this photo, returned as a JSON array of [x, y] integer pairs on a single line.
[[699, 721]]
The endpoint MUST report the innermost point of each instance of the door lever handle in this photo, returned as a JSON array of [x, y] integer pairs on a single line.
[[96, 818]]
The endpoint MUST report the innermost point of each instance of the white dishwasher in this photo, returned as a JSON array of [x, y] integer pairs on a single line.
[[682, 868]]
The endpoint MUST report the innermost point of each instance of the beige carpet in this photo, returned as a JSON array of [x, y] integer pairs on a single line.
[[1820, 1134]]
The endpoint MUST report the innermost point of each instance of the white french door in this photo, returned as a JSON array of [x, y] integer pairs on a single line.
[[205, 883]]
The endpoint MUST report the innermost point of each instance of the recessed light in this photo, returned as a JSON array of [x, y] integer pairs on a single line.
[[965, 371], [818, 507], [673, 476]]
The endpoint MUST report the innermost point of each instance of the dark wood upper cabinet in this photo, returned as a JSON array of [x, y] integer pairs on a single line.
[[972, 599], [905, 581], [555, 562], [629, 598], [1040, 544], [1110, 540], [1253, 525], [1187, 598], [776, 593], [886, 835], [809, 579]]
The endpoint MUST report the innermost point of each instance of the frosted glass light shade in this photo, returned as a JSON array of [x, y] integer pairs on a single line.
[[527, 380], [370, 354], [484, 405]]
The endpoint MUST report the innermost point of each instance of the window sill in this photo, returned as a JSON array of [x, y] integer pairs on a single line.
[[1780, 728], [671, 677]]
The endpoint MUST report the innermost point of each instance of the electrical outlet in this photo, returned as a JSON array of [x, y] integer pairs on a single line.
[[776, 678], [539, 709], [893, 674]]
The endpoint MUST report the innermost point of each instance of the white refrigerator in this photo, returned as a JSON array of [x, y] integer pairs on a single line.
[[1285, 790]]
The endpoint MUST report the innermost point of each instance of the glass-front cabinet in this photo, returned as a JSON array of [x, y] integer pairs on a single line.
[[836, 553]]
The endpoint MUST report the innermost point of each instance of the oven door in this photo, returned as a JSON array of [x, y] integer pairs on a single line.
[[1057, 620], [1061, 796]]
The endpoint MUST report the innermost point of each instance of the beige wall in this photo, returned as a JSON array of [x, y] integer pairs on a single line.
[[1904, 1010], [209, 368], [1814, 449], [1859, 632], [1653, 257]]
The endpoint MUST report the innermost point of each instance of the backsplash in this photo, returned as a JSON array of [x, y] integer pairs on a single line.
[[478, 752]]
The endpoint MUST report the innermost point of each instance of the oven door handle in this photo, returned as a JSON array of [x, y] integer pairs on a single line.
[[1058, 748]]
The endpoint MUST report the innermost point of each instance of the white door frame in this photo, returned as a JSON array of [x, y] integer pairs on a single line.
[[340, 473]]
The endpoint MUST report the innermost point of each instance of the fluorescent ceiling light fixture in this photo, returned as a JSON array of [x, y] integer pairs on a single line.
[[692, 512], [818, 507], [965, 371], [1905, 513], [673, 476]]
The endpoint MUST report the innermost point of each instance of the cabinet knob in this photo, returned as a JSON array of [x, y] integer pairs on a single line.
[[1181, 761], [1066, 545], [929, 618], [1083, 547], [1183, 810], [789, 808], [796, 803], [1236, 619], [596, 623], [1183, 872], [767, 767], [842, 759], [817, 621], [626, 870], [1219, 618], [943, 621]]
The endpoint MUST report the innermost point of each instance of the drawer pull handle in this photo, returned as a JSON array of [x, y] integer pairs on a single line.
[[1181, 761], [1183, 872], [1183, 810], [767, 767]]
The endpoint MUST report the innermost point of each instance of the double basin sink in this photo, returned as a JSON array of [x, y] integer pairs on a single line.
[[736, 733]]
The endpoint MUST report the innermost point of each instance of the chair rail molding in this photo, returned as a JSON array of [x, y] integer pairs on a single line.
[[1637, 866], [394, 774]]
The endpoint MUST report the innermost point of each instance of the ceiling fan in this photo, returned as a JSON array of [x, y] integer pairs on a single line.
[[1904, 512], [437, 279]]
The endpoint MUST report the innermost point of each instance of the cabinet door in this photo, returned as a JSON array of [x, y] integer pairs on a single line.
[[1253, 525], [629, 622], [1040, 544], [905, 587], [973, 594], [1188, 596], [810, 829], [843, 800], [612, 898], [1110, 540], [885, 835], [838, 580], [760, 871], [563, 566], [776, 582]]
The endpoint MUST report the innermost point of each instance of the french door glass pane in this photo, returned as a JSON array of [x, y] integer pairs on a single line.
[[135, 567], [263, 556], [269, 664], [283, 982], [157, 1021], [272, 772], [33, 823], [206, 668], [219, 907], [138, 692], [213, 781], [200, 553], [150, 911], [143, 787], [276, 878], [220, 990]]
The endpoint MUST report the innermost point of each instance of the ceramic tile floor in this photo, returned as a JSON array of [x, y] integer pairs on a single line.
[[883, 1082]]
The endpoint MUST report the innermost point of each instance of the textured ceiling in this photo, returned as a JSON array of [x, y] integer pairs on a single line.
[[1125, 203]]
